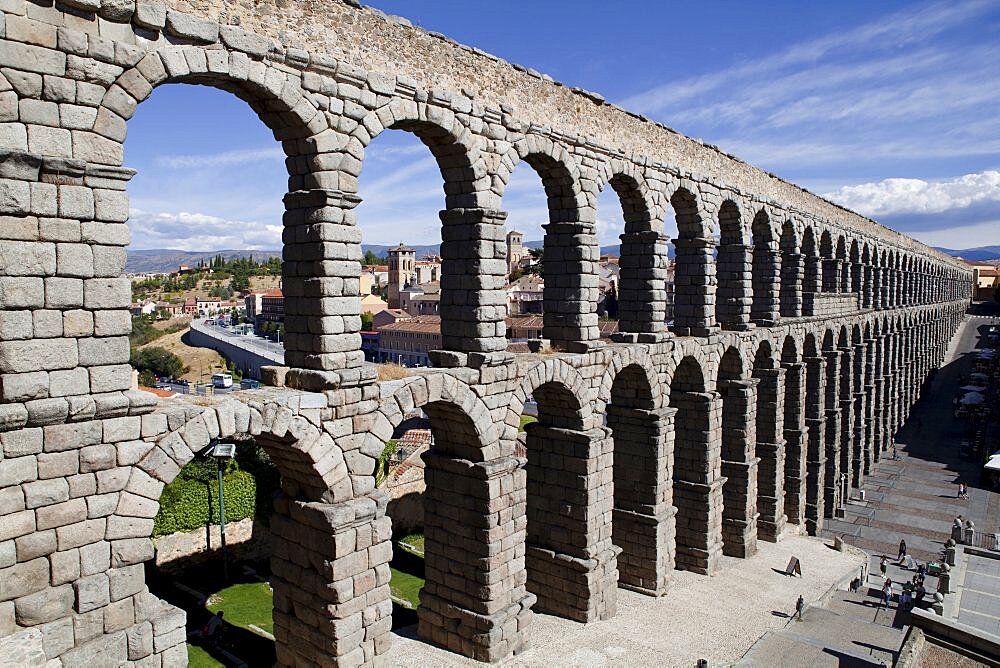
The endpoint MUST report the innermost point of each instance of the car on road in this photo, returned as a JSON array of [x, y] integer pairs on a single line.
[[249, 384]]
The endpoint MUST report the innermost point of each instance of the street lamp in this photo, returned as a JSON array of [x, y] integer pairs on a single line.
[[222, 452]]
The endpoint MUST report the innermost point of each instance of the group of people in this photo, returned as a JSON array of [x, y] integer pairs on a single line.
[[913, 590], [963, 490]]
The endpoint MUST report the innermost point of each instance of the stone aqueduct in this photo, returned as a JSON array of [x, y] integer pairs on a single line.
[[803, 333]]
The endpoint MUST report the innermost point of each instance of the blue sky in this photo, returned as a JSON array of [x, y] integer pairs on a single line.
[[889, 108]]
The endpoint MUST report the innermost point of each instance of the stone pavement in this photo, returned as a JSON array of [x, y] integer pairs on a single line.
[[915, 498], [978, 594], [717, 618], [846, 630]]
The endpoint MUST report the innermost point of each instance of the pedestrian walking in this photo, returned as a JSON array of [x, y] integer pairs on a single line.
[[902, 550], [884, 564], [887, 595], [799, 604]]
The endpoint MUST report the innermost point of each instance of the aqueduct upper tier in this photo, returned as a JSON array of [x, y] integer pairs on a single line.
[[802, 335]]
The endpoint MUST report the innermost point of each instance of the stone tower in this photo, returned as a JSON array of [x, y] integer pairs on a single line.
[[402, 264], [515, 251]]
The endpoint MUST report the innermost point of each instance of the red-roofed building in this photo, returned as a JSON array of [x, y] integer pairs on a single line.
[[272, 307], [407, 342]]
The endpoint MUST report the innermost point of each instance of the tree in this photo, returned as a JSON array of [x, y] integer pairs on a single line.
[[366, 321], [158, 361], [537, 265], [372, 258], [240, 282]]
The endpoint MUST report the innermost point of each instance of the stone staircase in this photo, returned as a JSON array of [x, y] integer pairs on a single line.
[[845, 631]]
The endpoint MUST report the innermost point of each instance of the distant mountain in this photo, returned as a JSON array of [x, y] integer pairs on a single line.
[[978, 254], [165, 259]]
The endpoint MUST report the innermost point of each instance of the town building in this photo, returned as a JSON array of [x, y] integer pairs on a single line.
[[525, 295], [389, 316], [208, 306], [252, 303], [402, 263], [190, 306], [408, 342], [272, 308], [146, 307], [372, 303], [515, 250], [424, 299]]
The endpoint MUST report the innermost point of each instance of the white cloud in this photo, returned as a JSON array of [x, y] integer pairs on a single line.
[[966, 236], [894, 31], [917, 84], [916, 196], [184, 230], [226, 158]]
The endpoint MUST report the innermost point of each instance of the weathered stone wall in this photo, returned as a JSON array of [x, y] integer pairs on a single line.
[[245, 540], [663, 449]]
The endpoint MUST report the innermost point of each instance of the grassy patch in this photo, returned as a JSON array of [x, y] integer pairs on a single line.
[[413, 543], [199, 658], [526, 419], [405, 586], [245, 604]]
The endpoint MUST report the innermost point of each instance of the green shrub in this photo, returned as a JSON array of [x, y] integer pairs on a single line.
[[382, 466], [158, 361], [190, 504], [250, 483]]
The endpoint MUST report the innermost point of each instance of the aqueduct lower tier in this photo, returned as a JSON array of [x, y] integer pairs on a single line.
[[801, 337]]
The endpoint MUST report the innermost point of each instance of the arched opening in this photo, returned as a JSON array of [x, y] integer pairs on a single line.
[[633, 268], [569, 254], [694, 275], [739, 461], [794, 431], [868, 280], [845, 391], [474, 582], [643, 511], [415, 284], [843, 266], [815, 370], [812, 280], [210, 178], [831, 435], [733, 265], [697, 469], [858, 407], [792, 269], [189, 569], [770, 443], [571, 566], [766, 272], [857, 275], [831, 268]]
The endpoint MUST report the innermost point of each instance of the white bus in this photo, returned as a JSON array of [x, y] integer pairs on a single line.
[[222, 380]]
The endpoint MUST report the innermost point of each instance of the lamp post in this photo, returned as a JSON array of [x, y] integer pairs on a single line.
[[222, 452]]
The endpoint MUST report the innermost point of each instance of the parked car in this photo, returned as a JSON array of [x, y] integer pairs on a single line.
[[249, 384]]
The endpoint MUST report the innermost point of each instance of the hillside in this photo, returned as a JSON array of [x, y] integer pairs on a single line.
[[156, 260], [978, 254]]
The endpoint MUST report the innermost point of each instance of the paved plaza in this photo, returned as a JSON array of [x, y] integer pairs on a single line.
[[717, 618], [978, 597], [915, 498]]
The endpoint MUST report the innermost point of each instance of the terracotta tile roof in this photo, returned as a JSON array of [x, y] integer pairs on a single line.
[[424, 323], [164, 394], [276, 292]]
